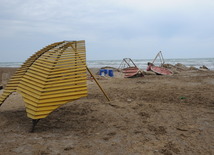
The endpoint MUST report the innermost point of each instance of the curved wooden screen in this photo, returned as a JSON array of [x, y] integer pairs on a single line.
[[50, 78]]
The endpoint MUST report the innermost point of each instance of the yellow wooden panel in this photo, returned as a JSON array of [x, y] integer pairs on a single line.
[[65, 87], [78, 88], [59, 103], [61, 79], [71, 97], [38, 81], [37, 73], [38, 112], [65, 79], [65, 94], [34, 94], [43, 68], [46, 108], [75, 82], [74, 71], [36, 76], [28, 86], [50, 78], [30, 91], [33, 82], [36, 116]]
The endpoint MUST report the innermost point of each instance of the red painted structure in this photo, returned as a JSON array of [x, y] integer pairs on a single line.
[[131, 72], [161, 70]]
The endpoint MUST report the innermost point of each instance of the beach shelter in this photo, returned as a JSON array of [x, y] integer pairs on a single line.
[[129, 68], [50, 78], [161, 58]]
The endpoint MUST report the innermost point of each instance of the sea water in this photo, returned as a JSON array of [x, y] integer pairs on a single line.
[[141, 63]]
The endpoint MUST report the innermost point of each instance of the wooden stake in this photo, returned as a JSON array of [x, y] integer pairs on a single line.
[[98, 84]]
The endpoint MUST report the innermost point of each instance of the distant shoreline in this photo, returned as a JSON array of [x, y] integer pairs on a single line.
[[141, 63]]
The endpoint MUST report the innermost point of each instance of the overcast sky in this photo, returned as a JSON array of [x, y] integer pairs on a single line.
[[112, 29]]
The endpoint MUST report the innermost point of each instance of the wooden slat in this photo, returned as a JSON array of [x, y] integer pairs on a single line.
[[50, 78]]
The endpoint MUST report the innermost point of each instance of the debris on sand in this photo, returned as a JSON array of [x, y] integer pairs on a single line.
[[158, 70], [149, 73], [176, 69], [130, 69], [193, 68], [204, 67], [181, 67], [131, 72]]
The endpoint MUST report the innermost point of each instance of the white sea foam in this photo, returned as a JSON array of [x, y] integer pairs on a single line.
[[10, 64], [141, 63]]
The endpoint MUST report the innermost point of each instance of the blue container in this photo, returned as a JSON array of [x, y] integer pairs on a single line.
[[102, 72], [110, 73], [106, 71]]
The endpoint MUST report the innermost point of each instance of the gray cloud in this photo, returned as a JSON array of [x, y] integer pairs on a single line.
[[118, 28]]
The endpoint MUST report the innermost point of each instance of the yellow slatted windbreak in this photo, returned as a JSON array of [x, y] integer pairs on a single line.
[[50, 78]]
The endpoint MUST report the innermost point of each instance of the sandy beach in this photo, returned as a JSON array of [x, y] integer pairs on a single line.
[[153, 114]]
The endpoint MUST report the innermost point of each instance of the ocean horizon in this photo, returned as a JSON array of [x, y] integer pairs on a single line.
[[141, 63]]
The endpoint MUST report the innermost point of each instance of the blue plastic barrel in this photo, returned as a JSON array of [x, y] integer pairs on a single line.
[[106, 71], [102, 72], [110, 73]]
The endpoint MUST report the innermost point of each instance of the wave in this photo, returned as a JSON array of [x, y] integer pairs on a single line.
[[141, 63]]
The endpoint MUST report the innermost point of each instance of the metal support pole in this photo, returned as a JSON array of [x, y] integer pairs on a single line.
[[34, 123]]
